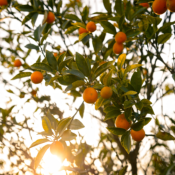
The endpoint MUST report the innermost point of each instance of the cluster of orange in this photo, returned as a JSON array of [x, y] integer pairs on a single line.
[[90, 95], [121, 122], [90, 27], [120, 38], [160, 6]]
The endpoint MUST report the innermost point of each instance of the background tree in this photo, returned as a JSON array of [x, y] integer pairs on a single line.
[[79, 52]]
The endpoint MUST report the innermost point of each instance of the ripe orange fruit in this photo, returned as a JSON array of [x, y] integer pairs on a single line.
[[120, 37], [144, 4], [3, 2], [170, 5], [159, 7], [91, 26], [106, 92], [117, 48], [55, 54], [82, 30], [121, 122], [50, 18], [57, 148], [137, 135], [90, 95], [17, 63], [37, 77]]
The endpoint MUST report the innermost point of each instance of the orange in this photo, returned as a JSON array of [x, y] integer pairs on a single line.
[[120, 37], [37, 77], [55, 54], [90, 95], [159, 7], [57, 148], [145, 72], [144, 4], [121, 122], [170, 5], [91, 26], [106, 92], [50, 18], [137, 135], [17, 63], [3, 2], [82, 30], [117, 48]]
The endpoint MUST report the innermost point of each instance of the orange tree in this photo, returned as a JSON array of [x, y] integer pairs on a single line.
[[124, 29]]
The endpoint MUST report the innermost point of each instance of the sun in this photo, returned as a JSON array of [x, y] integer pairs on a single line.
[[51, 164]]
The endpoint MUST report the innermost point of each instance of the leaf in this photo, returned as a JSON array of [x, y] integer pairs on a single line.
[[63, 124], [128, 104], [42, 66], [116, 131], [107, 5], [140, 10], [131, 67], [78, 83], [136, 81], [123, 171], [76, 124], [72, 17], [38, 142], [107, 78], [79, 24], [108, 27], [128, 113], [74, 72], [71, 29], [164, 38], [40, 155], [164, 136], [46, 125], [68, 135], [24, 8], [130, 93], [100, 101], [119, 7], [28, 17], [21, 75], [121, 60], [97, 44], [82, 64], [85, 13], [101, 69], [32, 46], [64, 63], [61, 58], [81, 111], [126, 141], [112, 114], [82, 36], [51, 60], [138, 126], [34, 18]]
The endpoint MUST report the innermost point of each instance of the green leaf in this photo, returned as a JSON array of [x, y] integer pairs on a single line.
[[79, 24], [68, 135], [21, 75], [140, 10], [82, 36], [116, 131], [97, 44], [78, 83], [81, 111], [46, 125], [107, 78], [72, 17], [32, 46], [126, 141], [71, 29], [85, 13], [164, 136], [24, 8], [76, 124], [131, 67], [123, 171], [63, 124], [38, 142], [100, 101], [128, 113], [28, 17], [34, 18], [130, 93], [107, 5], [40, 155], [108, 27], [136, 81], [42, 66], [121, 60], [61, 58], [163, 38], [74, 72], [128, 104], [102, 69], [138, 126], [51, 60], [119, 7], [112, 114], [82, 64]]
